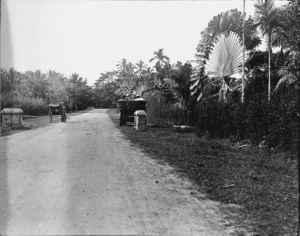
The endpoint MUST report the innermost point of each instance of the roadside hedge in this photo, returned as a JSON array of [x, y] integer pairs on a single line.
[[274, 123], [30, 106]]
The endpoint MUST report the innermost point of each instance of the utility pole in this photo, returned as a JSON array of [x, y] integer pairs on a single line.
[[0, 75], [243, 63]]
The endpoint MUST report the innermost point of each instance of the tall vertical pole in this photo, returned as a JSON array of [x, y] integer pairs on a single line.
[[0, 74], [269, 67], [243, 63]]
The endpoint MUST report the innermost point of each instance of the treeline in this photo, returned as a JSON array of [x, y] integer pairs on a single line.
[[264, 109], [34, 91]]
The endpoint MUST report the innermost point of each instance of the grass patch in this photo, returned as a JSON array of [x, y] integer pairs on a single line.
[[263, 182], [33, 122]]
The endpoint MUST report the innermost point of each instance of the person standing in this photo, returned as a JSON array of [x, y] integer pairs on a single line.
[[50, 114]]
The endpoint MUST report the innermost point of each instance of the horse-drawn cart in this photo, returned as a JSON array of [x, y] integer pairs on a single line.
[[58, 109], [128, 107]]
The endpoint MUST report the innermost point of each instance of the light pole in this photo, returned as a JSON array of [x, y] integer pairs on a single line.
[[243, 63]]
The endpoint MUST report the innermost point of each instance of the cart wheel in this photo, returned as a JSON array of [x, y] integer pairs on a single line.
[[122, 119]]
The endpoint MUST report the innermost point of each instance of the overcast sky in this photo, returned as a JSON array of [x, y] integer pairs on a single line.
[[90, 37]]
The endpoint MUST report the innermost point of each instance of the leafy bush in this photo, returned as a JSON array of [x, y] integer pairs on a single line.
[[30, 106], [155, 107], [276, 123], [214, 119], [162, 112], [177, 115], [283, 126]]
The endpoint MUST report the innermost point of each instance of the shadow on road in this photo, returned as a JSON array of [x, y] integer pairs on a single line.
[[7, 52], [4, 195]]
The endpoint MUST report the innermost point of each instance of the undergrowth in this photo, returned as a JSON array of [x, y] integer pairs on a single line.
[[263, 182]]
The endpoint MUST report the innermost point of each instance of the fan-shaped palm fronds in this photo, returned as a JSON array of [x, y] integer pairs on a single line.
[[226, 57], [225, 60], [197, 77]]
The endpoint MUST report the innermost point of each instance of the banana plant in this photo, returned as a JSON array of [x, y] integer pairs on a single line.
[[225, 60]]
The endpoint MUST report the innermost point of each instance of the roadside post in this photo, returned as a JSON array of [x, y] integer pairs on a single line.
[[140, 120]]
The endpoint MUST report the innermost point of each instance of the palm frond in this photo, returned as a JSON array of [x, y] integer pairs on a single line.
[[226, 57], [286, 77], [265, 15]]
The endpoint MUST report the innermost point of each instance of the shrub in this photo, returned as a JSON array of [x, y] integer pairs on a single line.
[[175, 114], [162, 112], [30, 106], [283, 127], [275, 122], [155, 107], [214, 119]]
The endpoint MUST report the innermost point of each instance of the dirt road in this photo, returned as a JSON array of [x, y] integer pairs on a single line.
[[83, 177]]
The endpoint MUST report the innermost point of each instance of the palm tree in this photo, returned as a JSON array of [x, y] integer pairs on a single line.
[[140, 68], [179, 82], [161, 61], [287, 77], [224, 61], [122, 67], [125, 70], [265, 19], [287, 37]]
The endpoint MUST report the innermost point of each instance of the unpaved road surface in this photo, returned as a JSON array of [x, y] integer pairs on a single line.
[[83, 177]]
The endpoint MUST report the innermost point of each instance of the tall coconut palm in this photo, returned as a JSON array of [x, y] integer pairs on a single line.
[[140, 68], [266, 19], [224, 61], [122, 67], [162, 63], [160, 59], [125, 70]]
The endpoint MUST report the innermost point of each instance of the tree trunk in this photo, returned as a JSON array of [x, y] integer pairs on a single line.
[[222, 92], [243, 64], [269, 67]]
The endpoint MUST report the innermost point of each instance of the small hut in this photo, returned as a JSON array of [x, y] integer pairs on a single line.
[[12, 117]]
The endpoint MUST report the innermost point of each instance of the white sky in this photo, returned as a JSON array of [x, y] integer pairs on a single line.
[[90, 37]]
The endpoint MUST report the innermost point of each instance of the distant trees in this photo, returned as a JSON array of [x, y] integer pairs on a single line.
[[184, 94], [34, 90], [105, 88]]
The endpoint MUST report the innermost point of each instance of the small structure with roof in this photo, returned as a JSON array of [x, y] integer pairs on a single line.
[[12, 117], [140, 120]]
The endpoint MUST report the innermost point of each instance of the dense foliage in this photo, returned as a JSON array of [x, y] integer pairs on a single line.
[[270, 114], [34, 91], [182, 94]]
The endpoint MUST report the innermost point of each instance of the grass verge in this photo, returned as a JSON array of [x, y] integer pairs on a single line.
[[33, 122], [264, 183]]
